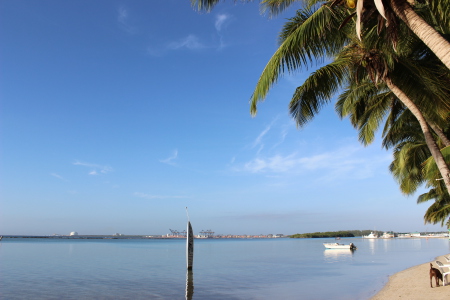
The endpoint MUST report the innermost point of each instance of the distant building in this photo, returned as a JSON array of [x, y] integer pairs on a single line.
[[73, 233]]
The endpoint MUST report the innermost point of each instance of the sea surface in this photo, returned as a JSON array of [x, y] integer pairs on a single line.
[[223, 268]]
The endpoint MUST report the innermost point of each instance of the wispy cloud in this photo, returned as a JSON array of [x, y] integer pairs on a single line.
[[170, 159], [221, 21], [344, 162], [259, 139], [123, 19], [282, 137], [151, 197], [58, 176], [274, 164], [190, 42], [95, 168]]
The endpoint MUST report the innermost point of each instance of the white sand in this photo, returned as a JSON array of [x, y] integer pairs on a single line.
[[414, 284]]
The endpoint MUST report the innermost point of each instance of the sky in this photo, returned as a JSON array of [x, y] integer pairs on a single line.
[[116, 115]]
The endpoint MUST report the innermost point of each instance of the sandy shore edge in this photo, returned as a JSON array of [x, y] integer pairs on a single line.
[[414, 284]]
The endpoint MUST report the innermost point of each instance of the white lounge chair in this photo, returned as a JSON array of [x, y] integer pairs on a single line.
[[441, 267], [447, 258]]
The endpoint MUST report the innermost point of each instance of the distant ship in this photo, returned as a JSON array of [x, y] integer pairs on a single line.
[[387, 235], [370, 236]]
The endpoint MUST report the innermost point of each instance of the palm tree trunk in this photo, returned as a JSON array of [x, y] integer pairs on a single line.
[[431, 38], [431, 143], [440, 134]]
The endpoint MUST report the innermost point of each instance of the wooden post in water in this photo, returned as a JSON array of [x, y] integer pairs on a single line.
[[189, 244], [189, 285]]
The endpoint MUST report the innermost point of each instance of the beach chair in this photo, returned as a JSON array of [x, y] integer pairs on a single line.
[[442, 267], [447, 258]]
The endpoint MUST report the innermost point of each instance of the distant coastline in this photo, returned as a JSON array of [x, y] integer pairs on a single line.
[[337, 234], [115, 237]]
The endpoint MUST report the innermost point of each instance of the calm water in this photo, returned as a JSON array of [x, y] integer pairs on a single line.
[[223, 269]]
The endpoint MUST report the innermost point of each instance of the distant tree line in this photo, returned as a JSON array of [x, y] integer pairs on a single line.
[[329, 234]]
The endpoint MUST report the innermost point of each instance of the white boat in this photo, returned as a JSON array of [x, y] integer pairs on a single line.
[[339, 246], [370, 236], [387, 235]]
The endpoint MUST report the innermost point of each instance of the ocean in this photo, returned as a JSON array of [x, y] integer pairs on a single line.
[[229, 269]]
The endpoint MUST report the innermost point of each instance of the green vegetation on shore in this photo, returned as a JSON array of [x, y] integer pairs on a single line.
[[329, 234]]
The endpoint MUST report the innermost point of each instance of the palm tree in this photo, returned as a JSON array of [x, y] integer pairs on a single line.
[[304, 39], [388, 12], [439, 211], [366, 106], [314, 35], [412, 167]]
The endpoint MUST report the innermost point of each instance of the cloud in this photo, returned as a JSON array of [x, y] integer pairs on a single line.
[[221, 20], [344, 162], [95, 168], [123, 19], [283, 134], [58, 176], [123, 15], [170, 159], [190, 42], [148, 196], [258, 140], [275, 164]]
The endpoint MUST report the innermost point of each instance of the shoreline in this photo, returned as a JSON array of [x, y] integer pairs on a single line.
[[414, 284]]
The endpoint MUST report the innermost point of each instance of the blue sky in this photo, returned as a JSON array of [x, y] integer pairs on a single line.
[[116, 115]]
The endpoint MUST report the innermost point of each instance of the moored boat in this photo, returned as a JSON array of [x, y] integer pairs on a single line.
[[339, 246], [387, 235], [370, 236]]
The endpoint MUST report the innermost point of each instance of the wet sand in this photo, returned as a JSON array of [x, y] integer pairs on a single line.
[[414, 284]]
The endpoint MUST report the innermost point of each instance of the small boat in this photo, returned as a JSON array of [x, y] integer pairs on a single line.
[[370, 236], [339, 246], [387, 235]]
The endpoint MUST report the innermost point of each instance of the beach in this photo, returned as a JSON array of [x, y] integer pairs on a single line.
[[414, 284]]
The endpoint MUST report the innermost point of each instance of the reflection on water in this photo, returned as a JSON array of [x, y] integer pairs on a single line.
[[371, 245], [335, 255], [189, 285], [235, 269]]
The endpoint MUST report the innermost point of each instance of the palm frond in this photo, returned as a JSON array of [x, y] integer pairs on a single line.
[[204, 5], [407, 166], [317, 90], [275, 7], [311, 41]]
